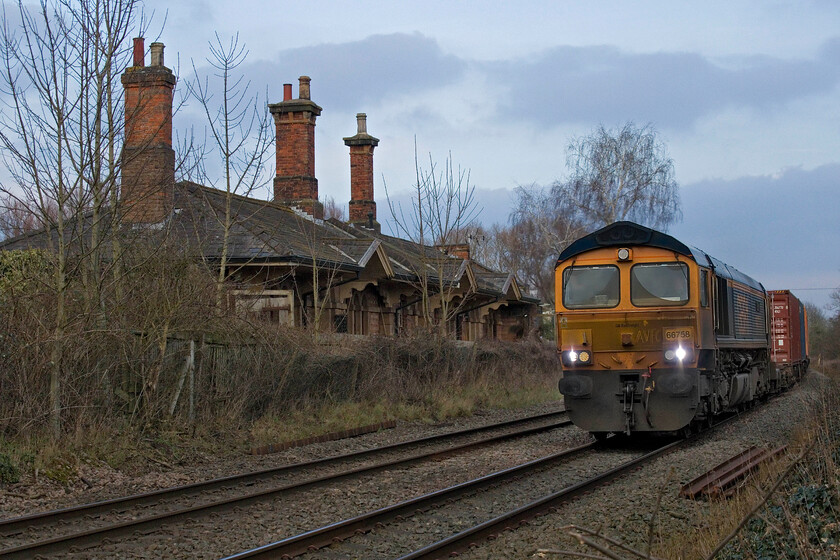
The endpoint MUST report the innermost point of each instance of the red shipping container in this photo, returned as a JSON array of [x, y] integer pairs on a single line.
[[788, 329]]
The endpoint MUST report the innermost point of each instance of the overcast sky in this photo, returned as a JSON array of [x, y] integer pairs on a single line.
[[744, 94]]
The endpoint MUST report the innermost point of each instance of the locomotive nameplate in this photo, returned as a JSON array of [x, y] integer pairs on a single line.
[[678, 334]]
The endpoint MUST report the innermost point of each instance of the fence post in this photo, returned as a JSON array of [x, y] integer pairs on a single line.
[[189, 366], [191, 371]]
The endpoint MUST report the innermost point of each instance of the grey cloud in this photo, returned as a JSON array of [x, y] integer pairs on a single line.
[[766, 226], [605, 84], [349, 75]]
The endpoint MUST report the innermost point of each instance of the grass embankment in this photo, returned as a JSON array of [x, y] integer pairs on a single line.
[[317, 389], [791, 510]]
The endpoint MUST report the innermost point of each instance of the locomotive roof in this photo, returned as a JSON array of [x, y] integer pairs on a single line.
[[628, 234]]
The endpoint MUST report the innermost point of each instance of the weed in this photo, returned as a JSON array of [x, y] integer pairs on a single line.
[[9, 472], [62, 468], [801, 517]]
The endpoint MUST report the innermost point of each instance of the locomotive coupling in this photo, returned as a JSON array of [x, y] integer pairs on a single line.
[[629, 397]]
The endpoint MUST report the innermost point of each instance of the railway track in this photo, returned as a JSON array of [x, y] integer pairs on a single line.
[[112, 519], [440, 508], [386, 524]]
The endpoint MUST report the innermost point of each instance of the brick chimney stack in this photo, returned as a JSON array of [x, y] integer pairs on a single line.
[[148, 161], [362, 204], [295, 183], [460, 250]]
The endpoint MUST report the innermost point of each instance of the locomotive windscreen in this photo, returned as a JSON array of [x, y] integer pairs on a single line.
[[590, 287], [654, 284]]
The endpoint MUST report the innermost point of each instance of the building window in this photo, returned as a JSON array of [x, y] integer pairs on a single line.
[[274, 306]]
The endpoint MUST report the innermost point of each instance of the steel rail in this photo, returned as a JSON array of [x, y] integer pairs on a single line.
[[521, 515], [15, 525], [86, 538], [337, 532], [511, 520], [722, 479]]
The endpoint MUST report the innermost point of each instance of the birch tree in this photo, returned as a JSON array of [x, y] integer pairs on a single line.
[[621, 174]]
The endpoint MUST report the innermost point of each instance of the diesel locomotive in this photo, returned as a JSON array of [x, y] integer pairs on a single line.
[[657, 336]]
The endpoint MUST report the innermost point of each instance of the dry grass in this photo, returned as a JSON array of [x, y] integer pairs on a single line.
[[801, 516], [286, 387], [129, 391]]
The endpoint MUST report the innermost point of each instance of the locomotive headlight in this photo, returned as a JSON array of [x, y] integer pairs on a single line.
[[577, 357], [678, 354]]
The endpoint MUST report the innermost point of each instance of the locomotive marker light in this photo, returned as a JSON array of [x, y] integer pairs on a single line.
[[683, 339], [624, 254]]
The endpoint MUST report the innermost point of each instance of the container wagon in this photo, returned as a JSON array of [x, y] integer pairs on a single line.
[[789, 336]]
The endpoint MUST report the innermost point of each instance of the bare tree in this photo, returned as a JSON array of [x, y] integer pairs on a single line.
[[332, 209], [541, 226], [315, 304], [18, 217], [59, 132], [622, 174], [241, 136], [443, 206]]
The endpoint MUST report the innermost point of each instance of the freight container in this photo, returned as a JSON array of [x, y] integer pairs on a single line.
[[788, 334]]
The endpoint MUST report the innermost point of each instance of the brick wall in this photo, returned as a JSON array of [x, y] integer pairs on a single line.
[[362, 204], [294, 120], [148, 161], [361, 184]]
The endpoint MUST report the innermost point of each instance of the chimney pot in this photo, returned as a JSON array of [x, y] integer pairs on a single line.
[[361, 123], [287, 92], [157, 54], [139, 52], [303, 90]]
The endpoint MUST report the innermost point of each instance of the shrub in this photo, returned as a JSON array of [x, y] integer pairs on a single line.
[[9, 472]]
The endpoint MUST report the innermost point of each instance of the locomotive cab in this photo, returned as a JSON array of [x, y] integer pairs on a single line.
[[636, 332]]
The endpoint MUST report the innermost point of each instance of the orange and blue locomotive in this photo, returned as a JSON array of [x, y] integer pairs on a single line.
[[656, 336]]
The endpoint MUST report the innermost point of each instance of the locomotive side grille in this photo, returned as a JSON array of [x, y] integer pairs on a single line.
[[749, 314]]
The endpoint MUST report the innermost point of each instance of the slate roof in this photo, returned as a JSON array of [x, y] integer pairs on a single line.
[[269, 232]]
